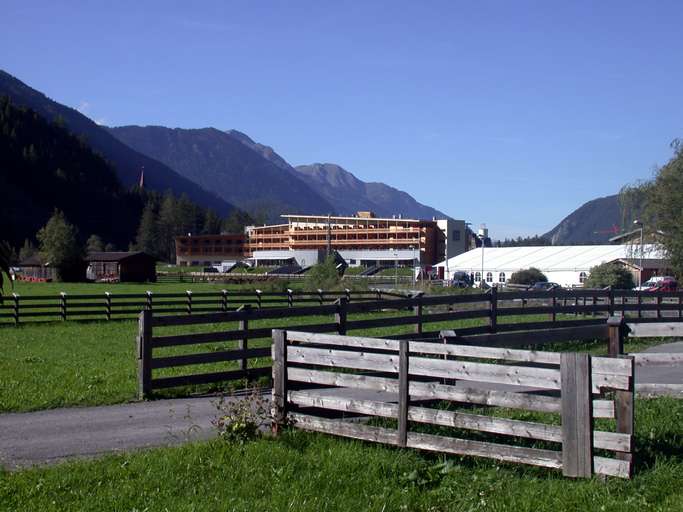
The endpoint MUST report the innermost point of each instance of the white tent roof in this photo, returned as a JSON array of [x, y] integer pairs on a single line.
[[548, 259]]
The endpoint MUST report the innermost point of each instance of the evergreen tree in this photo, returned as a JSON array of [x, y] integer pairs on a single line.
[[94, 244], [212, 223], [168, 225], [148, 236], [236, 222], [27, 250]]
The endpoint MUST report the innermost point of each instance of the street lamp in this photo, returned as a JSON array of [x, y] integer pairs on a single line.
[[640, 273], [412, 250]]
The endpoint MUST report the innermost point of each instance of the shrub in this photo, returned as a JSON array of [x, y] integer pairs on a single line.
[[323, 276], [241, 419], [528, 276], [609, 274]]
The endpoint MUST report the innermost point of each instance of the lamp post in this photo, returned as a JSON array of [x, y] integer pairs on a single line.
[[640, 272], [396, 269], [412, 250]]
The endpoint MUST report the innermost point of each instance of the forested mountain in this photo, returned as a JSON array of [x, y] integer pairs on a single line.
[[43, 167], [231, 165], [348, 194], [126, 162], [593, 222]]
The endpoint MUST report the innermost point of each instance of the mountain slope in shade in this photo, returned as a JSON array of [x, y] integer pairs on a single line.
[[588, 223], [126, 161], [230, 164], [348, 194]]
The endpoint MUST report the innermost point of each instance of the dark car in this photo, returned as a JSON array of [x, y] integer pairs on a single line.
[[543, 286]]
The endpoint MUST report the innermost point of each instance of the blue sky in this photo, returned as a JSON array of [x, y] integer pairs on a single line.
[[509, 113]]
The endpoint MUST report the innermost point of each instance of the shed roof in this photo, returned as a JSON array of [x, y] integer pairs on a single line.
[[547, 258], [35, 260], [117, 256]]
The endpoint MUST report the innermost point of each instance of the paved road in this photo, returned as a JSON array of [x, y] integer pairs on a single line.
[[51, 436], [661, 374]]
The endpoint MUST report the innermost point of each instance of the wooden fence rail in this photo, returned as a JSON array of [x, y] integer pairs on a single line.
[[419, 314], [17, 308], [322, 380]]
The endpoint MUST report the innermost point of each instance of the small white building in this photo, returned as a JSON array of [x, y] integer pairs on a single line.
[[566, 265]]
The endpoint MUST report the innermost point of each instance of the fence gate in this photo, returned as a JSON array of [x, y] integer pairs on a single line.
[[434, 396]]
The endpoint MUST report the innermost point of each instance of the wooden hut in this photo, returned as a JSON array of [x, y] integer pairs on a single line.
[[121, 267], [34, 268]]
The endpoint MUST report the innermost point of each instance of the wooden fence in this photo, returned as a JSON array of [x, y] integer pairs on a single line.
[[320, 380], [17, 308], [488, 313]]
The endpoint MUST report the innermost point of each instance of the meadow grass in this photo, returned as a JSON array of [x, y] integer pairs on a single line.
[[63, 364], [311, 472]]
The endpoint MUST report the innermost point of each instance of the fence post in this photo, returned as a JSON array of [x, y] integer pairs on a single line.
[[577, 415], [279, 407], [243, 325], [320, 296], [659, 306], [417, 311], [224, 300], [290, 297], [403, 392], [258, 298], [15, 296], [148, 305], [624, 415], [62, 305], [107, 305], [144, 353], [553, 314], [610, 302], [189, 301], [493, 309], [340, 315], [640, 304], [617, 331]]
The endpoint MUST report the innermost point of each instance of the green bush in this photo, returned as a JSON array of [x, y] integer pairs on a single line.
[[528, 276], [323, 276], [609, 274]]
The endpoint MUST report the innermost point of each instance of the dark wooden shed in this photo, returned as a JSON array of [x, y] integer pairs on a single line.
[[34, 268], [122, 267]]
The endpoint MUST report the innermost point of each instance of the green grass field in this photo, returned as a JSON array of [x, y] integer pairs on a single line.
[[310, 472]]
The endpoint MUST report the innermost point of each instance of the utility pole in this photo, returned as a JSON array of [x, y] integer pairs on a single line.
[[329, 236], [640, 273]]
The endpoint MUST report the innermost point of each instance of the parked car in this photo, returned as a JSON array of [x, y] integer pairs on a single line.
[[543, 286], [460, 280], [668, 284], [653, 282]]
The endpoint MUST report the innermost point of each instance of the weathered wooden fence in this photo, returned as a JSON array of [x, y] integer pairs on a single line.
[[320, 380], [416, 317], [17, 308]]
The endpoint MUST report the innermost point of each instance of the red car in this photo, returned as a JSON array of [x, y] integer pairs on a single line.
[[665, 285]]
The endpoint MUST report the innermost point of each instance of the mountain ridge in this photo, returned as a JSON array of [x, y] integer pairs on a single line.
[[231, 164], [349, 194], [127, 162]]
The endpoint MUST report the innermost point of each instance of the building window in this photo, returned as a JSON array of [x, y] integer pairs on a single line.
[[489, 277], [501, 277], [456, 235], [477, 277], [582, 277]]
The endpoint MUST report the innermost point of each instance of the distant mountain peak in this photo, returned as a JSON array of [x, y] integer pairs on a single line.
[[590, 223], [348, 194]]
